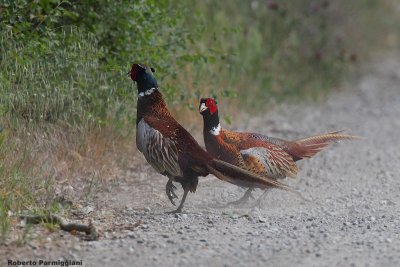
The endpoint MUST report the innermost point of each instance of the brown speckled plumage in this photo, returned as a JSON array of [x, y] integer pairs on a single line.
[[172, 151], [265, 156]]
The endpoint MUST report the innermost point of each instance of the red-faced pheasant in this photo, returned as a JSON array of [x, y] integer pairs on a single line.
[[262, 155], [172, 151]]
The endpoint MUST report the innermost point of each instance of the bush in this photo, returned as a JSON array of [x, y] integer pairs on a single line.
[[68, 59]]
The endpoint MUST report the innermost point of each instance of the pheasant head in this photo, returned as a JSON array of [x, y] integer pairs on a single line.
[[209, 110], [143, 76]]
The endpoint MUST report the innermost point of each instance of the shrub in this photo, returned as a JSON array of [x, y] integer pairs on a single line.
[[68, 59]]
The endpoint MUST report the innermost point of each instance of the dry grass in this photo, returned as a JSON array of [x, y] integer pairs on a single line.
[[40, 167]]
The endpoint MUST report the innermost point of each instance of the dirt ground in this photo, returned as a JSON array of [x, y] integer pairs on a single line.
[[349, 215]]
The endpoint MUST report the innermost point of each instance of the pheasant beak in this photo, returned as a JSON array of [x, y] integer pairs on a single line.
[[202, 107]]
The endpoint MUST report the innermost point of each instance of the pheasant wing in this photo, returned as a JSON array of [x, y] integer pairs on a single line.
[[159, 150], [270, 161]]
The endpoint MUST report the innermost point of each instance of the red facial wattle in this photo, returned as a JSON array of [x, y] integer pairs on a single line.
[[210, 103], [134, 71]]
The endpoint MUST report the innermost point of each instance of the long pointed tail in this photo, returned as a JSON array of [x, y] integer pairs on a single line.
[[237, 176], [314, 144]]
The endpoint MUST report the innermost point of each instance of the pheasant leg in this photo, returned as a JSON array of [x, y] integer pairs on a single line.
[[247, 195], [169, 190], [259, 200], [179, 209]]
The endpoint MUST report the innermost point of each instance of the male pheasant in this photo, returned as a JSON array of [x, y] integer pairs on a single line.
[[172, 151], [262, 155]]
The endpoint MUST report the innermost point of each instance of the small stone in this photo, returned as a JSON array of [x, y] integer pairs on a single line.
[[107, 235], [128, 207], [262, 219], [131, 235], [147, 209], [86, 210], [131, 249]]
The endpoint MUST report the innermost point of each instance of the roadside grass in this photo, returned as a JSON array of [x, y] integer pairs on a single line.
[[19, 185], [41, 170]]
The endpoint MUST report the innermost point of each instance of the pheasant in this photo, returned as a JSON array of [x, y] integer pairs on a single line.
[[172, 151], [262, 155]]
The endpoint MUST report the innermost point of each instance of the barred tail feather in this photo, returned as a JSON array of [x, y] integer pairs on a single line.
[[312, 145], [235, 175]]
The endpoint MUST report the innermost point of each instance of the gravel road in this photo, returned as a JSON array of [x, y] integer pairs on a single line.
[[349, 215]]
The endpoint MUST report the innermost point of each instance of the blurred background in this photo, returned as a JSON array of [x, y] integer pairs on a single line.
[[67, 107]]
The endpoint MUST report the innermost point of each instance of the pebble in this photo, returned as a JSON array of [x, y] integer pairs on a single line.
[[86, 210], [131, 235], [262, 219]]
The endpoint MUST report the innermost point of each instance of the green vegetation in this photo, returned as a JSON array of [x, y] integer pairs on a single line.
[[68, 60], [271, 51], [63, 71]]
